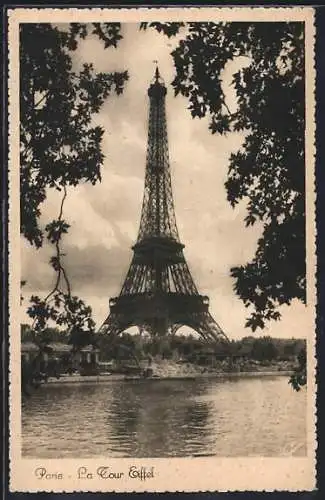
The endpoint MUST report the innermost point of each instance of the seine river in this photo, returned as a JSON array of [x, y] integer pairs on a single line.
[[235, 417]]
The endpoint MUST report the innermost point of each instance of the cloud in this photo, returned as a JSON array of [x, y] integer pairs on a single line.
[[96, 269]]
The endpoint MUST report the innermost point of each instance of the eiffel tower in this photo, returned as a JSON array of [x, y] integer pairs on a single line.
[[159, 294]]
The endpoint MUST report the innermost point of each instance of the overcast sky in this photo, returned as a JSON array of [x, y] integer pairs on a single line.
[[105, 218]]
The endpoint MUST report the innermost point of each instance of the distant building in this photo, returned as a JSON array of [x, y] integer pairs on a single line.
[[59, 353]]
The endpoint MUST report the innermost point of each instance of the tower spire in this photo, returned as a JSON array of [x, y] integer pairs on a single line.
[[157, 74], [158, 215], [158, 293]]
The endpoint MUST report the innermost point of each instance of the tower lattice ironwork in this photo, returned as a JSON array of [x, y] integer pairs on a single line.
[[159, 294]]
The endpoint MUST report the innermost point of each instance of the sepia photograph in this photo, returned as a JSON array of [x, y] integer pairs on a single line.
[[162, 237]]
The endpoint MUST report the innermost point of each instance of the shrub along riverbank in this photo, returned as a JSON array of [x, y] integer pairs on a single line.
[[172, 355]]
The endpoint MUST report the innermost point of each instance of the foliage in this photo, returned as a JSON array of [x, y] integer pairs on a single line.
[[133, 348], [299, 378], [264, 349], [52, 334], [80, 338], [121, 347], [169, 29], [59, 146], [179, 345], [187, 347], [268, 170]]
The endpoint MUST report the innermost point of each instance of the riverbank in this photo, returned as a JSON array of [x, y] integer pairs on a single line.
[[80, 379]]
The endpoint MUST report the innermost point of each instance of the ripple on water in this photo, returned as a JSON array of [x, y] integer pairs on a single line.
[[240, 417]]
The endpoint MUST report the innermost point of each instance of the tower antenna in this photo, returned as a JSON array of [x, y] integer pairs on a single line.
[[157, 74]]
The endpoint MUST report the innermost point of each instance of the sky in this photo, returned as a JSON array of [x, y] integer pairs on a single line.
[[105, 218]]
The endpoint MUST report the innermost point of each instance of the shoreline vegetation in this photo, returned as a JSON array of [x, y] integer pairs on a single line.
[[134, 357]]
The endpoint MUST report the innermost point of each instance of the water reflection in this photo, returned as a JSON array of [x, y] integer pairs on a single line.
[[165, 418], [142, 416]]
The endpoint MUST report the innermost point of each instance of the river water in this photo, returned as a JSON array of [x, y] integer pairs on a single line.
[[260, 416]]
